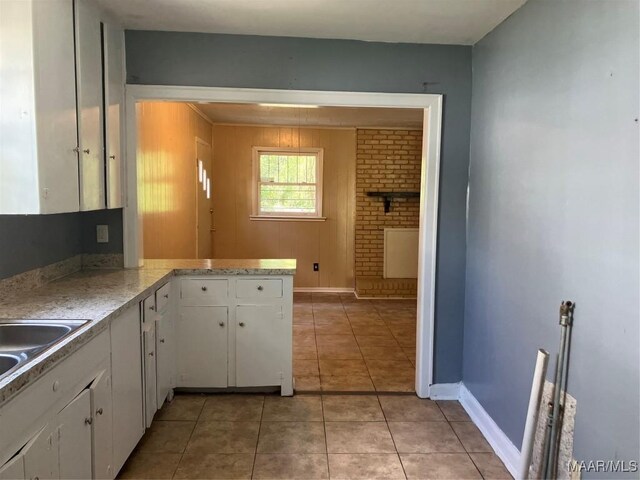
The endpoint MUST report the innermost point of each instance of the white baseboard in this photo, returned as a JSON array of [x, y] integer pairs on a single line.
[[504, 448], [444, 391], [322, 290]]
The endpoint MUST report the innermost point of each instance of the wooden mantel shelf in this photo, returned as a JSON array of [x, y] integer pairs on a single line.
[[388, 196]]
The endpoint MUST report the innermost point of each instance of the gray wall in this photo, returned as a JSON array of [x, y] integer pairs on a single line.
[[32, 241], [554, 215], [165, 58]]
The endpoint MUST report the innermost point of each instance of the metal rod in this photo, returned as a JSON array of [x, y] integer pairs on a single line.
[[539, 375]]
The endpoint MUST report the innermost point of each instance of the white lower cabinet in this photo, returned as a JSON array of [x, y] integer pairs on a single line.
[[165, 343], [149, 341], [74, 438], [102, 427], [202, 346], [13, 469], [41, 455]]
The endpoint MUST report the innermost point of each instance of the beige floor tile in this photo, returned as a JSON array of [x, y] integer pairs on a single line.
[[359, 437], [299, 408], [150, 466], [305, 352], [409, 408], [319, 297], [360, 329], [304, 329], [336, 328], [291, 466], [490, 466], [224, 437], [304, 339], [301, 297], [302, 319], [453, 411], [333, 367], [233, 408], [379, 366], [306, 383], [425, 437], [394, 381], [366, 466], [411, 354], [352, 408], [346, 383], [292, 437], [166, 437], [215, 466], [339, 352], [305, 367], [454, 466], [183, 407], [376, 340], [407, 342], [471, 437], [336, 340], [383, 352]]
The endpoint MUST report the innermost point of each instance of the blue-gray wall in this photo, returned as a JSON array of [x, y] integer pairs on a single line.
[[165, 58], [32, 241], [554, 215]]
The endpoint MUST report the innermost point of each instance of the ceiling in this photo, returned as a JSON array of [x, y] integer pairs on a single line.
[[460, 22], [252, 114]]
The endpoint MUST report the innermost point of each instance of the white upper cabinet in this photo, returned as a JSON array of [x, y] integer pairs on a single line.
[[113, 41], [38, 130], [90, 105]]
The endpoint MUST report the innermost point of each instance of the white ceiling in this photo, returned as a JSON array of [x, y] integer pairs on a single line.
[[317, 117], [461, 22]]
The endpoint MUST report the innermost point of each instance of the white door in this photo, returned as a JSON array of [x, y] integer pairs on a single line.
[[126, 385], [113, 42], [259, 345], [74, 437], [202, 346], [90, 105], [41, 455], [165, 352], [102, 431], [13, 469], [149, 338]]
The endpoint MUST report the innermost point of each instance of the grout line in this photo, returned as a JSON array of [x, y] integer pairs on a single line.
[[255, 453], [386, 421], [190, 436], [324, 427]]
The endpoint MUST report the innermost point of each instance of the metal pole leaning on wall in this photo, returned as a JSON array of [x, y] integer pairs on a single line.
[[554, 424]]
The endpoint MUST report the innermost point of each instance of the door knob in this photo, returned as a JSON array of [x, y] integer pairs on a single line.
[[241, 324]]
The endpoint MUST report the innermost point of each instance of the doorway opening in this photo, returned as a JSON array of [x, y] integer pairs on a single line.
[[257, 209]]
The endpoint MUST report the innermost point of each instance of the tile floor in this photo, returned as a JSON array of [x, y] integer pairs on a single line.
[[344, 344], [368, 436]]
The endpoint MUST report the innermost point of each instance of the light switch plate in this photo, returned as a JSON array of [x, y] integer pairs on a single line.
[[102, 233]]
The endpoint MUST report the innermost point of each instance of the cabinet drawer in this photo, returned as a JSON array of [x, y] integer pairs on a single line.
[[162, 297], [200, 292], [256, 288]]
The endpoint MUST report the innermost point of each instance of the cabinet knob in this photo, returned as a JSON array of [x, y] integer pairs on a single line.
[[76, 149], [260, 287], [87, 151], [166, 295], [88, 421], [99, 411], [162, 340], [204, 289], [152, 307], [55, 386], [112, 157], [151, 354], [221, 324], [241, 324]]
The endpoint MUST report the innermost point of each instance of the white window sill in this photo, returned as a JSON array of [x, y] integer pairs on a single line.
[[287, 218]]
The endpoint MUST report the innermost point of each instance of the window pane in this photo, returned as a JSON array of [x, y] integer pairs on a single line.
[[287, 198], [287, 168]]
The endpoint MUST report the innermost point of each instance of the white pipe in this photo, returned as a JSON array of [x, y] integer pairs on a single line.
[[539, 375]]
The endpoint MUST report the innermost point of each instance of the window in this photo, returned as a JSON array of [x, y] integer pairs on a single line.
[[287, 182]]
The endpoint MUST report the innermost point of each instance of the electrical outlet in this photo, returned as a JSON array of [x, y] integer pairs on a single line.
[[316, 267], [102, 233]]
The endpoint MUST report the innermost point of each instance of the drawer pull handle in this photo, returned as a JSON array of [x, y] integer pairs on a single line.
[[241, 324], [221, 324], [88, 421], [99, 411], [204, 289], [260, 287], [162, 340]]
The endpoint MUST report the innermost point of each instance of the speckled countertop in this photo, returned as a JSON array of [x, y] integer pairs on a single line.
[[99, 296]]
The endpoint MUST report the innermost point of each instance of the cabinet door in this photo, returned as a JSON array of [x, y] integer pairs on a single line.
[[90, 105], [259, 345], [55, 95], [41, 455], [102, 431], [74, 437], [165, 355], [149, 338], [126, 385], [13, 469], [202, 346], [113, 42]]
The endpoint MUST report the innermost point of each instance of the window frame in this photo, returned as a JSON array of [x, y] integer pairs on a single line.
[[257, 214]]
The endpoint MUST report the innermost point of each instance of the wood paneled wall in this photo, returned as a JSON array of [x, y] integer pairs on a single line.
[[167, 177], [330, 243]]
